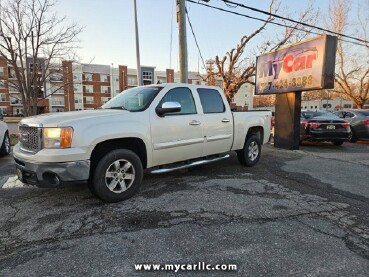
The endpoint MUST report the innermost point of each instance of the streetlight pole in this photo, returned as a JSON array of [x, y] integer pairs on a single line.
[[137, 45], [181, 19]]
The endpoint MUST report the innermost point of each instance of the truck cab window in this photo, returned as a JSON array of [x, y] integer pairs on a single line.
[[184, 97], [211, 100]]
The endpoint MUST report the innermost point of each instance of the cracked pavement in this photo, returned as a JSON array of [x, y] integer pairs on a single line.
[[297, 213]]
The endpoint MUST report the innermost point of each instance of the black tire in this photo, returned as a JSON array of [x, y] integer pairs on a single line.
[[353, 137], [114, 169], [250, 154], [5, 146], [338, 142]]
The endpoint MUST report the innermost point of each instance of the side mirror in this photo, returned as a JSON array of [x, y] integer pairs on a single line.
[[168, 107]]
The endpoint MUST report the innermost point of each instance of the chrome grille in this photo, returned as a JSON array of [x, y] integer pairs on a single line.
[[30, 138]]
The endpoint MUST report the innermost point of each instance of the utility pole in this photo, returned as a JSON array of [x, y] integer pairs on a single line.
[[181, 19], [137, 45]]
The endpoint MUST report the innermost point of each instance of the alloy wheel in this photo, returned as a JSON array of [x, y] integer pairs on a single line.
[[119, 176]]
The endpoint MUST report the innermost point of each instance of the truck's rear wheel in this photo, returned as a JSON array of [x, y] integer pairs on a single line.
[[117, 176], [250, 154]]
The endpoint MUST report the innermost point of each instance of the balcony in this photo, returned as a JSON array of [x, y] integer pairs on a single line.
[[57, 103], [56, 79]]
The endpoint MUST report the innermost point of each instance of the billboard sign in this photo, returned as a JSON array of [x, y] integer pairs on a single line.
[[305, 66]]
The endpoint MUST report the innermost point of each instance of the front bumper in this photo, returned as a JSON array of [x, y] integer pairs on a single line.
[[52, 174]]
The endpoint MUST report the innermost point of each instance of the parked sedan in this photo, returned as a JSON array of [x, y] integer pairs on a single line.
[[4, 139], [323, 126], [359, 121]]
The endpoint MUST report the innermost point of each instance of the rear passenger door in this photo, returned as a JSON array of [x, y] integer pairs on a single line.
[[217, 121]]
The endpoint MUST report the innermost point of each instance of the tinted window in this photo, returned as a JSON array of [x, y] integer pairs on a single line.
[[310, 114], [184, 97], [363, 113], [211, 100]]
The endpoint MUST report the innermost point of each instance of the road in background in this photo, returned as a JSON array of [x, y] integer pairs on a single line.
[[13, 128]]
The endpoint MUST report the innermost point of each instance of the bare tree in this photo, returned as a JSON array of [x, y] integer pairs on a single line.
[[352, 68], [32, 40], [235, 70]]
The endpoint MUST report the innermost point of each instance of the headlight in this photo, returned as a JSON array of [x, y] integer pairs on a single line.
[[57, 137]]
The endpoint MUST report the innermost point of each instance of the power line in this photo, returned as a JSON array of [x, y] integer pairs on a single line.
[[270, 22], [292, 20], [194, 36]]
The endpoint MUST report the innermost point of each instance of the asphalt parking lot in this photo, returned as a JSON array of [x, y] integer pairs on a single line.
[[297, 213]]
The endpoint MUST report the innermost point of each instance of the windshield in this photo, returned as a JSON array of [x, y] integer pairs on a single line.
[[311, 114], [134, 99]]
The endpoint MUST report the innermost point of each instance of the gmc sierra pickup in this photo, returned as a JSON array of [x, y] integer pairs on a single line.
[[157, 127]]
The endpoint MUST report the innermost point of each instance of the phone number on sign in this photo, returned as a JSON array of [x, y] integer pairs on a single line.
[[281, 84]]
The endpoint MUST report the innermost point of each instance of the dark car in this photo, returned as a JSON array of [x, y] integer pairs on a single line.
[[323, 126], [359, 121]]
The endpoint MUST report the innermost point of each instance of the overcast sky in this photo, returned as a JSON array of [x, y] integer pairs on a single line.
[[109, 38]]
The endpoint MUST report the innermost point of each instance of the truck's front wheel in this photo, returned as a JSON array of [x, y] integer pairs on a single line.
[[117, 176], [250, 154]]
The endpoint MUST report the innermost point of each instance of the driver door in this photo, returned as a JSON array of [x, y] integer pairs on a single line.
[[177, 136]]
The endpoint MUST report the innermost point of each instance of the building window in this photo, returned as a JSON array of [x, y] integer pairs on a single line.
[[78, 100], [89, 100], [11, 73], [347, 106], [2, 97], [18, 111], [88, 76], [58, 103], [57, 110], [105, 89], [147, 75], [77, 88], [104, 100], [15, 101], [2, 84], [3, 110], [77, 77], [1, 71], [88, 88], [132, 81], [104, 78]]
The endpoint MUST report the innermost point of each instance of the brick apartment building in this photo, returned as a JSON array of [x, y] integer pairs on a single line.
[[72, 86]]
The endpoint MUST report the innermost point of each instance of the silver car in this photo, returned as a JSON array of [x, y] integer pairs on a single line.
[[359, 121], [4, 138]]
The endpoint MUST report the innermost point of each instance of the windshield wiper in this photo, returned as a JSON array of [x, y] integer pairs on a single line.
[[117, 108]]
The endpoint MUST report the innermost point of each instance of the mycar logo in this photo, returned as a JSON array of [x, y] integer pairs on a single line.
[[304, 66], [295, 60]]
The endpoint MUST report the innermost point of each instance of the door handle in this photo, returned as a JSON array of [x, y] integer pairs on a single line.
[[195, 122], [225, 120]]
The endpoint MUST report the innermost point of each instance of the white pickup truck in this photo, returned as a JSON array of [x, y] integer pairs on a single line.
[[157, 127]]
